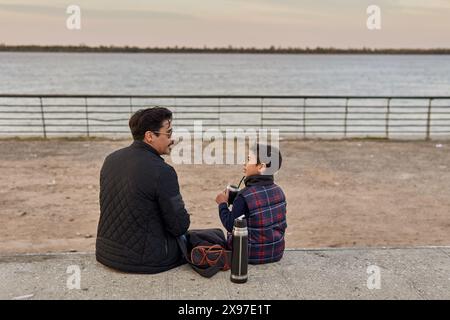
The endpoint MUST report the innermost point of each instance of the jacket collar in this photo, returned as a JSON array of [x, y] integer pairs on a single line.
[[259, 180], [146, 146]]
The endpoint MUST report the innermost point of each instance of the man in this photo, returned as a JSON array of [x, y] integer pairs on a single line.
[[141, 208]]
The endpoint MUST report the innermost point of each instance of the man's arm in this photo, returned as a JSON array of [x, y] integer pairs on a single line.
[[174, 214]]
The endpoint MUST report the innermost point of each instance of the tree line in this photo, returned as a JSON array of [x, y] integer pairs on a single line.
[[229, 49]]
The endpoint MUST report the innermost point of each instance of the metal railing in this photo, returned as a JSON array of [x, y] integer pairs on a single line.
[[416, 117]]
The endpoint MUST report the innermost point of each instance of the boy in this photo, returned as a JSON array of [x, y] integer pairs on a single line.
[[262, 202]]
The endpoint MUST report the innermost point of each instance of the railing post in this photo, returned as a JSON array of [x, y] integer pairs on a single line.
[[262, 112], [428, 119], [299, 120], [43, 119], [304, 118], [131, 106], [219, 114], [387, 117], [345, 119], [87, 116]]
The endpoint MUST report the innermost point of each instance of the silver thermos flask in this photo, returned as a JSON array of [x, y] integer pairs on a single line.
[[239, 259]]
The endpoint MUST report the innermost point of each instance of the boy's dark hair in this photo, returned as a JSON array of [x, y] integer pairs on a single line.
[[150, 119], [268, 154]]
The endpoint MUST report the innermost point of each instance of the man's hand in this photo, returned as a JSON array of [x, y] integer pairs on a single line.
[[222, 197]]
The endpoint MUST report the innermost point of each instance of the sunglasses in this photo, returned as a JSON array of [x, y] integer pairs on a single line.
[[168, 134]]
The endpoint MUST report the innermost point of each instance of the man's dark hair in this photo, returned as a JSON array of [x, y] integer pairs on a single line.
[[150, 119], [267, 152]]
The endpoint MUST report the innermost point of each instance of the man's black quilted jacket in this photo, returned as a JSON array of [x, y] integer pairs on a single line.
[[141, 212]]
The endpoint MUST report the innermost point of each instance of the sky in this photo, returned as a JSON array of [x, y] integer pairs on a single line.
[[221, 23]]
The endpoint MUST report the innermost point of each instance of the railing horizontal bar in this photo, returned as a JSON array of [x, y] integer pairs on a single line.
[[248, 127], [50, 119], [21, 112], [222, 112], [65, 132], [25, 119], [234, 112], [63, 105], [215, 106], [334, 119], [82, 106], [67, 111], [382, 109], [339, 112], [324, 125], [382, 132], [403, 113], [84, 125], [266, 106], [21, 105], [102, 120], [349, 126], [211, 119], [164, 96], [246, 124], [125, 112], [61, 125]]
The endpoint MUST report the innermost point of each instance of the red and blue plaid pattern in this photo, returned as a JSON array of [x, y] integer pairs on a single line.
[[266, 223]]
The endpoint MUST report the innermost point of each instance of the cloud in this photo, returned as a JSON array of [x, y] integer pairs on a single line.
[[52, 11], [418, 7], [29, 8], [420, 4]]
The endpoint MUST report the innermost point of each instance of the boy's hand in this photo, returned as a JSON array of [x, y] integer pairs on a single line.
[[222, 197]]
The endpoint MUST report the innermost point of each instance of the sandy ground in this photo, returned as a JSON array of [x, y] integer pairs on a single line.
[[339, 193]]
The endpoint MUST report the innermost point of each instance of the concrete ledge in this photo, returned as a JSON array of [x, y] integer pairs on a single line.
[[405, 273]]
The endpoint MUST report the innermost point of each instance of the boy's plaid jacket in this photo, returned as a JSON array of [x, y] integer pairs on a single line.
[[266, 223]]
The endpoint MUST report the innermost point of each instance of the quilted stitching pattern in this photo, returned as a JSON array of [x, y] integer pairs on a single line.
[[134, 229]]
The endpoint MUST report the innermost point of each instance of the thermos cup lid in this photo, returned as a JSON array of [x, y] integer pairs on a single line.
[[240, 223], [232, 188]]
